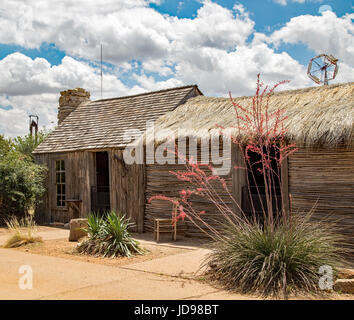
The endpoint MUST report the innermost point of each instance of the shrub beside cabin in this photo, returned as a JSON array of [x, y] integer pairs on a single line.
[[88, 146]]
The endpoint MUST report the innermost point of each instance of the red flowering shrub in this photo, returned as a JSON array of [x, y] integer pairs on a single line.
[[269, 252]]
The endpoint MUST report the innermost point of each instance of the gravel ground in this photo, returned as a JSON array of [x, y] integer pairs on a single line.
[[62, 248]]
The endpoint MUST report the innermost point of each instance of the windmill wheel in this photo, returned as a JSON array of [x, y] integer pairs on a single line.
[[322, 68]]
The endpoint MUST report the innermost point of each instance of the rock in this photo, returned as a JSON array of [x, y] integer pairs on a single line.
[[76, 226], [346, 274], [344, 286], [67, 225]]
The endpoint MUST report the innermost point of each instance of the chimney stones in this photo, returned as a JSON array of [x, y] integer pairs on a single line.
[[69, 100]]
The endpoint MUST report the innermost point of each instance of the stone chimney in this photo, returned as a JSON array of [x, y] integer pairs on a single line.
[[69, 100]]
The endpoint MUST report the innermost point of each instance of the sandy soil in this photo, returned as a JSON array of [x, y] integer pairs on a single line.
[[62, 248], [174, 264], [4, 231]]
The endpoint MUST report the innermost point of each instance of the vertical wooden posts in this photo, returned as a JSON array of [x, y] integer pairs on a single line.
[[239, 178]]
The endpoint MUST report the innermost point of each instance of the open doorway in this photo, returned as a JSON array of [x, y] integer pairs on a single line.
[[100, 193], [255, 193]]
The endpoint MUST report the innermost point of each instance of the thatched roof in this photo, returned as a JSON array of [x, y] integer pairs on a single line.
[[101, 124], [318, 115]]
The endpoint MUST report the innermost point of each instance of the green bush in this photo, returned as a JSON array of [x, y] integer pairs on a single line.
[[26, 144], [109, 236], [286, 260], [22, 181], [5, 146]]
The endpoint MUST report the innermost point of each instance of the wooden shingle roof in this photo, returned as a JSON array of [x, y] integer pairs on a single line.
[[101, 124]]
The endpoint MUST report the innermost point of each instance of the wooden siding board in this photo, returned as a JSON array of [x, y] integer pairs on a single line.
[[324, 179], [160, 181], [127, 188]]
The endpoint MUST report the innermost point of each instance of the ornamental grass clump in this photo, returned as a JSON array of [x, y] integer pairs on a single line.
[[23, 231], [109, 236], [275, 262]]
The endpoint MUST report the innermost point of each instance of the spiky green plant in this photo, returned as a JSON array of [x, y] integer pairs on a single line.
[[278, 262], [109, 236], [94, 225]]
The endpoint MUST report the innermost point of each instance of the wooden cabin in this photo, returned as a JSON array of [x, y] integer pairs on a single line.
[[319, 175], [86, 171]]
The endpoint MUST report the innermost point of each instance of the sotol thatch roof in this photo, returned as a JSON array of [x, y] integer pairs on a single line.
[[101, 124], [319, 115]]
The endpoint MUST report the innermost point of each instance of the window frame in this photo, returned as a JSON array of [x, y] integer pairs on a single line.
[[60, 171]]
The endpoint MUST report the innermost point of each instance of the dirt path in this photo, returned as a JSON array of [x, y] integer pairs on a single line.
[[57, 278], [169, 273]]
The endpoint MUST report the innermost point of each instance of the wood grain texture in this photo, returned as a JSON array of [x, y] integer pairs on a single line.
[[160, 181], [324, 179], [127, 186]]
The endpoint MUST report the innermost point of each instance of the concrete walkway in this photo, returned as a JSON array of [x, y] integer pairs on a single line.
[[169, 277]]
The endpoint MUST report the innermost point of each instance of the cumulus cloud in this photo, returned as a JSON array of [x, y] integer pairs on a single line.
[[159, 51], [217, 72], [323, 34], [32, 86], [285, 2], [127, 29]]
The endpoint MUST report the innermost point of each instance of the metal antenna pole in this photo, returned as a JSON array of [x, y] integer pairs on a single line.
[[101, 74]]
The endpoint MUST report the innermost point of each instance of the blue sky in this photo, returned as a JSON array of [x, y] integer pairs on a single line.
[[220, 45]]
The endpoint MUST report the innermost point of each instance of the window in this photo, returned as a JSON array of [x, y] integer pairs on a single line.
[[60, 182]]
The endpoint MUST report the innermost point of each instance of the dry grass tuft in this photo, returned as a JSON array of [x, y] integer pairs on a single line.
[[23, 232]]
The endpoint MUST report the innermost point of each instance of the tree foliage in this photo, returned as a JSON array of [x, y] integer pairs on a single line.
[[22, 180], [28, 143]]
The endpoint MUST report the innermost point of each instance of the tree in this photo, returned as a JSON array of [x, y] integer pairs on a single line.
[[22, 181], [5, 145], [28, 143]]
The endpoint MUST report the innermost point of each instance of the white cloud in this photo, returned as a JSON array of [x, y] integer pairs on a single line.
[[217, 71], [23, 76], [281, 2], [211, 50], [323, 34], [33, 87], [285, 2], [128, 29]]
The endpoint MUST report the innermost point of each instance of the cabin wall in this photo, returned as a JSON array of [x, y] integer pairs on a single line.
[[326, 177], [160, 181], [43, 208], [127, 187], [78, 166]]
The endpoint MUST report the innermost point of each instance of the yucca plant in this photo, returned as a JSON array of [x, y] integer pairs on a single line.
[[23, 231], [95, 223], [276, 262], [109, 236]]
